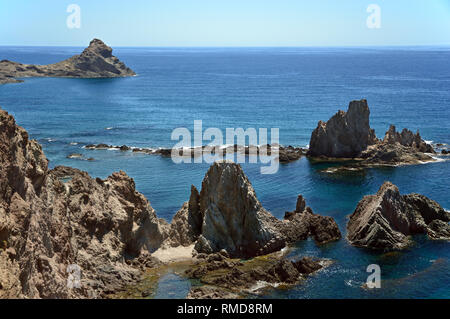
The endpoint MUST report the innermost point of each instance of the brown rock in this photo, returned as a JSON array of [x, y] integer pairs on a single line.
[[385, 220], [346, 134], [48, 225], [233, 218], [96, 61], [407, 138]]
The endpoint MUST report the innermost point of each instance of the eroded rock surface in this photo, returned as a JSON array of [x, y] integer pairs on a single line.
[[302, 223], [233, 217], [386, 219], [96, 61], [408, 139], [104, 227], [232, 278], [347, 135]]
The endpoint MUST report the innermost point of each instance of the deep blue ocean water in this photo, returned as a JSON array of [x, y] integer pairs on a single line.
[[286, 88]]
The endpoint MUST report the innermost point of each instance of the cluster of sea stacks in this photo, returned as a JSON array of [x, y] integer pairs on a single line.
[[50, 219], [96, 61], [347, 135]]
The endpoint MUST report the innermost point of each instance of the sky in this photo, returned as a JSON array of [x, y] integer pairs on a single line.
[[242, 23]]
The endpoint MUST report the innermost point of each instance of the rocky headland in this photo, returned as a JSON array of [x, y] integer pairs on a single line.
[[347, 137], [386, 220], [96, 61], [53, 219], [104, 227]]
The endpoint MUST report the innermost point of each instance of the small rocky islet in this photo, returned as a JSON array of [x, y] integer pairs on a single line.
[[96, 61], [50, 219]]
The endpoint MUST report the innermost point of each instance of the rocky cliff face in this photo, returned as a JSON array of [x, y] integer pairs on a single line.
[[104, 227], [386, 219], [96, 61], [346, 134]]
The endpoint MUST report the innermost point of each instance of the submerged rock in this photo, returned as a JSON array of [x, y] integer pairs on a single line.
[[233, 278], [96, 61], [386, 219]]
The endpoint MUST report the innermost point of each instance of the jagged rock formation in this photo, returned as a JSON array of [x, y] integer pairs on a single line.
[[228, 215], [385, 220], [346, 134], [302, 223], [408, 139], [103, 226], [233, 218], [96, 61]]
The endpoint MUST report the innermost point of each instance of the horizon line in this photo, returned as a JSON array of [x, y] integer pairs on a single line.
[[239, 46]]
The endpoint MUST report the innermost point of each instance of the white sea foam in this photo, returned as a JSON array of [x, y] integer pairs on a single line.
[[260, 284]]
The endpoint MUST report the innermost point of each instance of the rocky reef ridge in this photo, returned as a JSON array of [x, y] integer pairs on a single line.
[[386, 220], [96, 61]]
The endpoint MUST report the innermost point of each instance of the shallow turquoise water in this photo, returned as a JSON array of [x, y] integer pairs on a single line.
[[286, 88]]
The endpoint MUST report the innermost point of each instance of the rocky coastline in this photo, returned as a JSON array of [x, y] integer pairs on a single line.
[[52, 219], [96, 61]]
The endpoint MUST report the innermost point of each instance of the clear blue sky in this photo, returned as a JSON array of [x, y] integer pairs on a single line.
[[225, 22]]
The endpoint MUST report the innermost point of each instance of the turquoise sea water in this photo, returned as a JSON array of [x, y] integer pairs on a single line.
[[286, 88]]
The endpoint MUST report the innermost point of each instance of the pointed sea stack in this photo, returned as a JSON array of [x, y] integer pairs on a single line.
[[344, 135]]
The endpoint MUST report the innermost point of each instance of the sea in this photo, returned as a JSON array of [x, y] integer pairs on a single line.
[[286, 88]]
